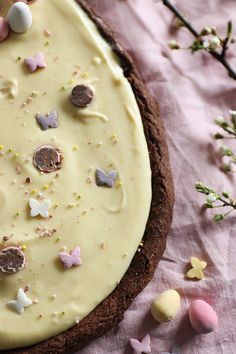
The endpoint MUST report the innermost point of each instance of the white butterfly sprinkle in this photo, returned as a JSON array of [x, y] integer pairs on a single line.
[[20, 303], [39, 208]]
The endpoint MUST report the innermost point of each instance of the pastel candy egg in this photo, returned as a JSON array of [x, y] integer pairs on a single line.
[[165, 306], [4, 29], [19, 17], [202, 317]]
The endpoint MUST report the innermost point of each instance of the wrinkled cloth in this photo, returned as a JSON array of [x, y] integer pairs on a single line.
[[191, 90]]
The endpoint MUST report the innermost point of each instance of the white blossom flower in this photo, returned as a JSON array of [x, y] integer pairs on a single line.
[[211, 198], [206, 44], [214, 43]]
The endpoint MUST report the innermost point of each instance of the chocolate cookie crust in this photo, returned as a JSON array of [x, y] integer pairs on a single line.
[[110, 312]]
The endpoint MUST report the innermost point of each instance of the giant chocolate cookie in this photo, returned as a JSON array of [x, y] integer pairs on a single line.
[[110, 312]]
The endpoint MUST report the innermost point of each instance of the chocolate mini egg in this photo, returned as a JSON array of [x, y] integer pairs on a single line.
[[19, 17], [4, 29], [165, 306], [202, 317]]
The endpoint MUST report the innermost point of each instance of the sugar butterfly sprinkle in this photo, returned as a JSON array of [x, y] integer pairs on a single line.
[[197, 269], [39, 208], [46, 121], [142, 346], [33, 63], [106, 178], [70, 260], [20, 303]]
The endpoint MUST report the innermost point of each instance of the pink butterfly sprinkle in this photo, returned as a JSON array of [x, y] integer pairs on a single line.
[[142, 346], [70, 260], [35, 62]]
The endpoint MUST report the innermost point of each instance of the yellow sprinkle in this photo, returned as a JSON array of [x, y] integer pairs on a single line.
[[85, 74], [120, 184], [113, 136], [63, 88], [197, 268], [75, 147], [56, 205], [24, 247], [47, 42], [17, 155], [1, 147], [33, 191], [71, 82], [17, 213], [10, 150], [46, 186]]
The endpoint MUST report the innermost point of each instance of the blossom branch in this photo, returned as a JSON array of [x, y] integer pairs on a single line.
[[216, 200], [199, 43]]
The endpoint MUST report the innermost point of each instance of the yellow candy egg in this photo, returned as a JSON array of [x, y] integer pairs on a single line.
[[165, 306]]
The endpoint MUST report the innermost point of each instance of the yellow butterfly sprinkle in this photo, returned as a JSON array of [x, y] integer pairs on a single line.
[[197, 268]]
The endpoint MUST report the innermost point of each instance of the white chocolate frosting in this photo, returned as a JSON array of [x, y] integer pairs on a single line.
[[106, 223]]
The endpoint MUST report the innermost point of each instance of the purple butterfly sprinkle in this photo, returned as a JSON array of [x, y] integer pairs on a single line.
[[70, 260], [142, 346], [47, 121], [35, 62], [106, 179]]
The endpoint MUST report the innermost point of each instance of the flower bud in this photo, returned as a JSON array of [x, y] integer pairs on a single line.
[[173, 44], [219, 120], [225, 151], [206, 31]]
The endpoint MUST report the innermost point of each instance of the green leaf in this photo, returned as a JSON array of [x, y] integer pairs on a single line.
[[218, 217], [229, 29], [218, 136], [197, 45], [226, 168], [208, 205], [225, 194]]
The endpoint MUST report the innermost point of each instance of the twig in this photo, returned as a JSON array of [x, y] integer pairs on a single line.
[[213, 198], [218, 56]]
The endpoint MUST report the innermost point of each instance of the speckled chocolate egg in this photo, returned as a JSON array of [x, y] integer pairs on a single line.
[[4, 29], [202, 316], [19, 17], [165, 306]]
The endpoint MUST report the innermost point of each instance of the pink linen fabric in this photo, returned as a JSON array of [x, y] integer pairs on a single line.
[[191, 91]]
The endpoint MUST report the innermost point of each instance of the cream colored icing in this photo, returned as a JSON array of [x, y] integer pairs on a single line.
[[106, 223]]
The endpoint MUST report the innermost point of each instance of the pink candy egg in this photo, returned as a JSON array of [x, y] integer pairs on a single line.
[[202, 317], [4, 29]]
